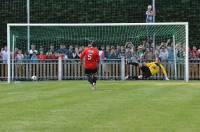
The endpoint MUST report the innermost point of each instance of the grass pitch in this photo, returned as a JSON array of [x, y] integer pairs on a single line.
[[130, 106]]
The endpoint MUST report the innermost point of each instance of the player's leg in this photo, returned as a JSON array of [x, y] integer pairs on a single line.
[[94, 78], [89, 78], [94, 81], [146, 73], [89, 75]]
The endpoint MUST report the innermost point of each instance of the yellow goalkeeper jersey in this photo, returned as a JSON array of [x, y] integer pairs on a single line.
[[155, 68]]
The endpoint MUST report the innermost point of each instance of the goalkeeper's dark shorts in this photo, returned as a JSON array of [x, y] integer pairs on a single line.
[[91, 71], [146, 72]]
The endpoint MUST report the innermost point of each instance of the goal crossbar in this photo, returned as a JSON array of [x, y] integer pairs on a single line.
[[96, 24]]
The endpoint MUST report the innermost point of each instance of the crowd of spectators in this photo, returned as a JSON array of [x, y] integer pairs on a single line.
[[146, 51]]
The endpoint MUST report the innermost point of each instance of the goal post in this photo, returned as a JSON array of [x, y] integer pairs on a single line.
[[103, 33]]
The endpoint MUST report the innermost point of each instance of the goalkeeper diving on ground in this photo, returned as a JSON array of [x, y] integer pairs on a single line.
[[149, 69]]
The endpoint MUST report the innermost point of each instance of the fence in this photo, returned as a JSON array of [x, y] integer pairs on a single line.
[[73, 70]]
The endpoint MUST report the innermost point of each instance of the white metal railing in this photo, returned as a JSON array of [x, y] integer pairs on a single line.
[[115, 69]]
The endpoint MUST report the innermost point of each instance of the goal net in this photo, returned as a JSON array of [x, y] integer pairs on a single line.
[[169, 41]]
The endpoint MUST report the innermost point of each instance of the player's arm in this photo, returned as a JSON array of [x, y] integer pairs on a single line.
[[164, 72], [150, 13], [82, 55]]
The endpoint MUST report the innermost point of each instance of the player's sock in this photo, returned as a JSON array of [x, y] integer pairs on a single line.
[[90, 79], [94, 86], [94, 79], [140, 77]]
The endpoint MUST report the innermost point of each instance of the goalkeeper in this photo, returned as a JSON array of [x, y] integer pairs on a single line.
[[150, 69]]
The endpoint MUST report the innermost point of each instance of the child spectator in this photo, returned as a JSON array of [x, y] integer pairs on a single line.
[[34, 58], [42, 56]]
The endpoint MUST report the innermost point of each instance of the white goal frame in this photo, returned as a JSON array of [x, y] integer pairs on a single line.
[[186, 24]]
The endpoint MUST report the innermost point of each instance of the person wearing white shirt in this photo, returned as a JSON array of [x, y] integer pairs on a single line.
[[150, 13], [32, 50], [4, 54], [163, 54]]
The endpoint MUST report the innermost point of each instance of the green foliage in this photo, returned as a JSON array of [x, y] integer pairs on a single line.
[[99, 11]]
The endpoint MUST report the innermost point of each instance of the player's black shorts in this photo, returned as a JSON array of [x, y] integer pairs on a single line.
[[91, 71], [146, 72]]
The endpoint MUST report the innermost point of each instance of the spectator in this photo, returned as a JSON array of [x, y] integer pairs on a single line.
[[118, 51], [75, 53], [51, 56], [70, 52], [163, 54], [199, 53], [145, 44], [180, 52], [170, 54], [149, 42], [42, 56], [157, 51], [16, 52], [32, 50], [26, 57], [148, 55], [195, 53], [19, 60], [101, 54], [112, 54], [4, 54], [62, 55], [107, 65], [150, 13], [80, 49], [62, 49], [140, 52], [107, 51], [129, 56], [65, 57], [41, 49], [102, 58], [51, 49], [34, 58], [19, 57], [123, 51]]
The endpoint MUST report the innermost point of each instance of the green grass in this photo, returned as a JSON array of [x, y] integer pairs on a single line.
[[130, 106]]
